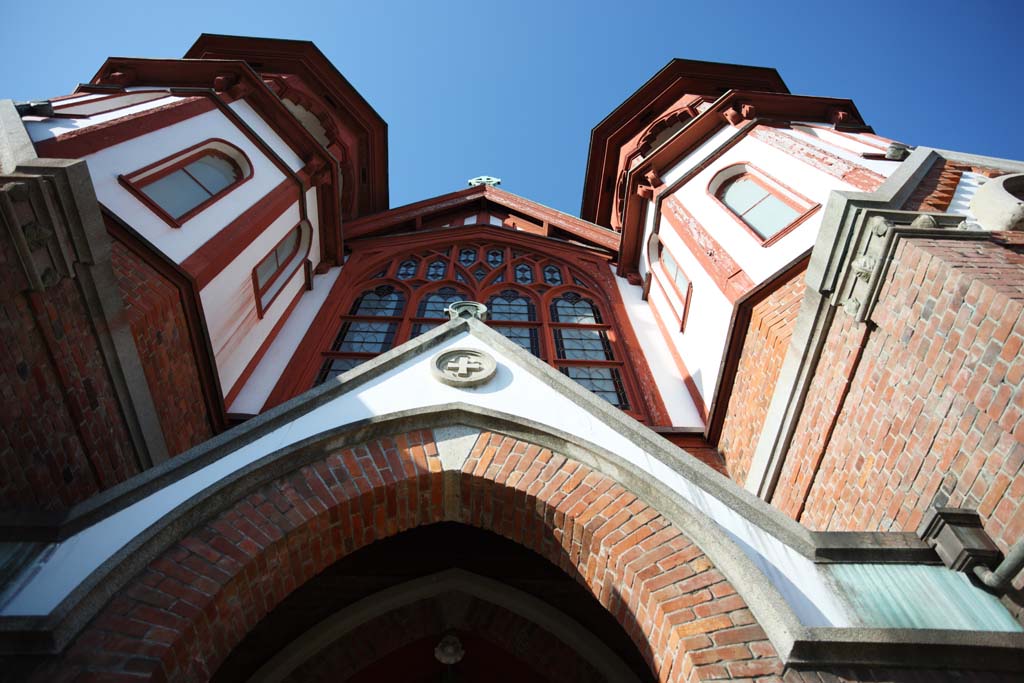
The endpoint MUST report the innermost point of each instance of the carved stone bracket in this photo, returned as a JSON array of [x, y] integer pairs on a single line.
[[873, 242], [29, 212]]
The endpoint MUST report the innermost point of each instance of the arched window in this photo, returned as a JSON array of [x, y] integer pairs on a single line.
[[527, 299], [432, 310], [583, 350], [671, 278], [764, 207], [368, 330], [178, 187], [514, 315]]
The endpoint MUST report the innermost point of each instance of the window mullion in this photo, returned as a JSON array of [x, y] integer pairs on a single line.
[[184, 169]]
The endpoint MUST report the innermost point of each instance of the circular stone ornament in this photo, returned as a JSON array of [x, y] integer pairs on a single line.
[[463, 368]]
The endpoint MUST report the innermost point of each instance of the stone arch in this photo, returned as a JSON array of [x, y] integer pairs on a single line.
[[194, 601]]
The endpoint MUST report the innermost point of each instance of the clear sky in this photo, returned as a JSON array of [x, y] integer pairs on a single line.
[[512, 89]]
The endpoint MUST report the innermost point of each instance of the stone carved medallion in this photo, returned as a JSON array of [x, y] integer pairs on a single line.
[[463, 367]]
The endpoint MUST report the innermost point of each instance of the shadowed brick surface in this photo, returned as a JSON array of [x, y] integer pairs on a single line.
[[532, 648], [160, 330], [62, 434], [764, 350], [180, 617]]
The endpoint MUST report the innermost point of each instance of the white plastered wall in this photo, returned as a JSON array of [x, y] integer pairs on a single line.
[[702, 344], [43, 128], [131, 155], [229, 302]]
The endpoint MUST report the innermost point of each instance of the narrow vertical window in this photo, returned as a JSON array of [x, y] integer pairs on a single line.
[[583, 349], [270, 275], [368, 330], [519, 317]]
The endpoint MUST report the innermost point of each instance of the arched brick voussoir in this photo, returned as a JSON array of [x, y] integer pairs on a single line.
[[180, 617]]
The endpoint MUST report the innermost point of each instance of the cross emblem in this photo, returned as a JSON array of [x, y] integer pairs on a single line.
[[463, 366]]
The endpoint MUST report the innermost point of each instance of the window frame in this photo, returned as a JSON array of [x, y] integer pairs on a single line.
[[729, 175], [398, 335], [539, 330], [303, 242], [655, 248], [136, 181]]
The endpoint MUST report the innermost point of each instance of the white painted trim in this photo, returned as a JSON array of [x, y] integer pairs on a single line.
[[514, 390]]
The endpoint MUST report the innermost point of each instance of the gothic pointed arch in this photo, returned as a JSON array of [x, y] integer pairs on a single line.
[[489, 265], [186, 609]]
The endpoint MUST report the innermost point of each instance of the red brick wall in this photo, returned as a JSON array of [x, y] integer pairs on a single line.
[[936, 190], [62, 434], [934, 411], [161, 335], [181, 616], [764, 350]]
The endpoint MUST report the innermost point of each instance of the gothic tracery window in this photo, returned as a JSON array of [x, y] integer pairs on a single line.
[[433, 308], [552, 310], [369, 329]]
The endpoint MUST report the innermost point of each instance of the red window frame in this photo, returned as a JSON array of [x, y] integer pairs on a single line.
[[803, 206], [282, 268], [498, 278], [136, 181]]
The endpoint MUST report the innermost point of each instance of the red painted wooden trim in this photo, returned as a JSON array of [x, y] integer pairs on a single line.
[[469, 198], [369, 255], [875, 141], [305, 362], [680, 77], [58, 109], [730, 278], [136, 185], [216, 253], [774, 105], [644, 385], [858, 176], [91, 139], [684, 297], [199, 338]]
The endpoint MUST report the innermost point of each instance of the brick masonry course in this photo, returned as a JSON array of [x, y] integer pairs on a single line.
[[158, 324], [180, 617], [934, 410], [764, 350]]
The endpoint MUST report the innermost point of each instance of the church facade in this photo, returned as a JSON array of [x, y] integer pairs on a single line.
[[755, 414]]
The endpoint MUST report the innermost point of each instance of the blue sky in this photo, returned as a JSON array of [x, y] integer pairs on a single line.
[[512, 89]]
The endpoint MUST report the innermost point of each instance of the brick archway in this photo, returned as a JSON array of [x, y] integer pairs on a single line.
[[180, 617]]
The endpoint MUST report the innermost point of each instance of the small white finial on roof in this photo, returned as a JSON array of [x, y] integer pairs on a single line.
[[484, 180]]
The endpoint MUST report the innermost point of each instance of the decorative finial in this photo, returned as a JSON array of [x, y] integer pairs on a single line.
[[484, 180]]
